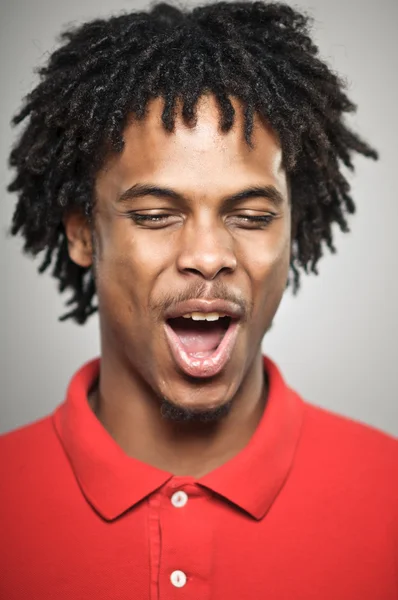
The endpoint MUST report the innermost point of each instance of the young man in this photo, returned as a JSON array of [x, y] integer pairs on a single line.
[[182, 167]]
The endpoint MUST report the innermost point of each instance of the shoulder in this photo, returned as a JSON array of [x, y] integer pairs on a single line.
[[350, 452], [24, 436], [26, 453], [353, 435]]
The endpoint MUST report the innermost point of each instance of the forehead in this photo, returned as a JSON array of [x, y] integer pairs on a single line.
[[202, 155]]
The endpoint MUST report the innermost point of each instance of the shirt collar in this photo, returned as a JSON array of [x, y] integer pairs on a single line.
[[113, 482], [255, 476]]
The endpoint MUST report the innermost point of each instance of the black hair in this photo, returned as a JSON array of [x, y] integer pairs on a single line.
[[108, 69]]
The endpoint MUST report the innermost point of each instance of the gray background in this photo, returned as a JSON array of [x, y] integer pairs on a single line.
[[336, 342]]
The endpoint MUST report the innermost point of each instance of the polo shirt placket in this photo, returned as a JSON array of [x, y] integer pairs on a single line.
[[181, 541]]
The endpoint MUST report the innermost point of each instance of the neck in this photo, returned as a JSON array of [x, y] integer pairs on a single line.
[[131, 414]]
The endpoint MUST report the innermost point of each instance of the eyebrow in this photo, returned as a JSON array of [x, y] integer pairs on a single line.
[[141, 189]]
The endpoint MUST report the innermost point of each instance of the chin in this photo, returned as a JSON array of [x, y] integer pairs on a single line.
[[179, 413]]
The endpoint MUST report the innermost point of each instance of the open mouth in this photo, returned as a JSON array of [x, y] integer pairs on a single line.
[[200, 337], [201, 343]]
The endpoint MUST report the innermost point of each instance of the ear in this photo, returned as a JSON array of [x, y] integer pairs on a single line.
[[78, 233]]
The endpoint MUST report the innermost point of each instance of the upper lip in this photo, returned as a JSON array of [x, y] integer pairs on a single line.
[[224, 307]]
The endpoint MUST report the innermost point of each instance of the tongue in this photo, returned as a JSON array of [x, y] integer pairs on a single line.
[[198, 336]]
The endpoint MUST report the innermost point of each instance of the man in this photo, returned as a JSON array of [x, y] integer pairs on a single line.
[[183, 167]]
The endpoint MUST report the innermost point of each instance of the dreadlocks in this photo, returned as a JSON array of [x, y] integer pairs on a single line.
[[107, 70]]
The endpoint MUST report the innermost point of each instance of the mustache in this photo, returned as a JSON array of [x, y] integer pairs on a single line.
[[201, 290]]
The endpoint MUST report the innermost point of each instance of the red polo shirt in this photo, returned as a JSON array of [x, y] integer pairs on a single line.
[[307, 510]]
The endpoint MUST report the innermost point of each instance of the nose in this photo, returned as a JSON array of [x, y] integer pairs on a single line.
[[207, 250]]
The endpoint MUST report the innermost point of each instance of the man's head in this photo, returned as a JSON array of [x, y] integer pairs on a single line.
[[180, 162], [193, 223]]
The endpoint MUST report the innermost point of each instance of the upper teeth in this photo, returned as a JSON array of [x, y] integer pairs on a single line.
[[198, 316]]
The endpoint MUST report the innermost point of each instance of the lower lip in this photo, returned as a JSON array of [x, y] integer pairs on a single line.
[[208, 366]]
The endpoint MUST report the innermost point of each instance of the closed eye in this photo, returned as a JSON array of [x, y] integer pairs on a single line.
[[259, 219], [153, 220]]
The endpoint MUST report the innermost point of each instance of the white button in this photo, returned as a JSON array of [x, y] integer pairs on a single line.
[[178, 578], [179, 499]]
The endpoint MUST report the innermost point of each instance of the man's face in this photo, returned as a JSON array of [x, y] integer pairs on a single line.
[[159, 257]]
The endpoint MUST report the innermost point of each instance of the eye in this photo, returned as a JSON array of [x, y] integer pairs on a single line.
[[253, 221], [153, 220]]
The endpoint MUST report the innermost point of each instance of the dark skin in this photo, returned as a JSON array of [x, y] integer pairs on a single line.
[[204, 246]]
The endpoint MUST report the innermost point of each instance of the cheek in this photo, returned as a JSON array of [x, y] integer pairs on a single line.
[[268, 271], [269, 259], [123, 269]]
